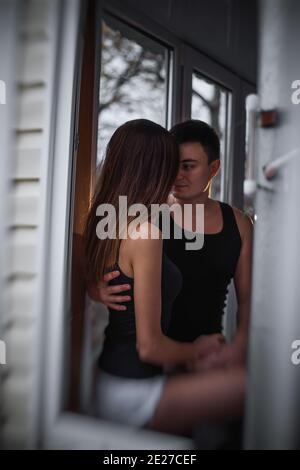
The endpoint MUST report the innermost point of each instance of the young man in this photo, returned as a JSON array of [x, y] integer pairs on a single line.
[[226, 254]]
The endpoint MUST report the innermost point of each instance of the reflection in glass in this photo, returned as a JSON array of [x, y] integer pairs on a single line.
[[211, 103], [133, 82]]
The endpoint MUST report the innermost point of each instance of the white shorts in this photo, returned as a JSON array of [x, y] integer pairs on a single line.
[[126, 400]]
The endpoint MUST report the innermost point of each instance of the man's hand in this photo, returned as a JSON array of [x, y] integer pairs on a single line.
[[228, 355], [232, 354], [106, 294], [209, 344]]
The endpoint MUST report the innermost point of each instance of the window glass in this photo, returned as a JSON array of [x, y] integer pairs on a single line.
[[134, 80], [211, 103]]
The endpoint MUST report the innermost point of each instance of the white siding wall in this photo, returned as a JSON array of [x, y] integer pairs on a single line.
[[33, 63]]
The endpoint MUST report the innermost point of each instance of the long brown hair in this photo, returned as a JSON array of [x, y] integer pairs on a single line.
[[141, 162]]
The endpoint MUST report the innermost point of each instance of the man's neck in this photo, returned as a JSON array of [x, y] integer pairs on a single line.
[[200, 199]]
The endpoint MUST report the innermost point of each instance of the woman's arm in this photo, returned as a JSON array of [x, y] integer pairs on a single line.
[[152, 345]]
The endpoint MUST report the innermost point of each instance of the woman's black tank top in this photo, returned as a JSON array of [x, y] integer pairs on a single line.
[[119, 355], [206, 273]]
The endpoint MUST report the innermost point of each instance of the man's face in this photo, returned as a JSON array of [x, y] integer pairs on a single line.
[[195, 173]]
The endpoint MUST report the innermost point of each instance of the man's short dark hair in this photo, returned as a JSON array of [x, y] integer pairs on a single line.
[[195, 130]]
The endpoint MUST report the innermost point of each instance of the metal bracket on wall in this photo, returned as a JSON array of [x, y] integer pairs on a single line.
[[271, 169]]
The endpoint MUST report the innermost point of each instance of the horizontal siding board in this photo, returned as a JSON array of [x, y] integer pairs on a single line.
[[16, 388], [36, 18], [19, 352], [29, 140], [27, 164], [33, 63], [31, 109], [20, 301], [23, 251], [17, 385], [25, 211], [23, 259], [26, 188]]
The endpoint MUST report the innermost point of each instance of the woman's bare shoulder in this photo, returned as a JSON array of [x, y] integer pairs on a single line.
[[146, 238]]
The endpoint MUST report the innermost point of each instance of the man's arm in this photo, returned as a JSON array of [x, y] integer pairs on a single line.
[[110, 295], [235, 352], [242, 279]]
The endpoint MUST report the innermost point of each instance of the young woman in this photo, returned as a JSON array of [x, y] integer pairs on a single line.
[[141, 163]]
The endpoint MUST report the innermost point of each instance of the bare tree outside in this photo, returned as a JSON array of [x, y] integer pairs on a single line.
[[133, 83]]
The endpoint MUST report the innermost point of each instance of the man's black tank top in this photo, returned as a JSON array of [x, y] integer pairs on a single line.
[[119, 355], [206, 273]]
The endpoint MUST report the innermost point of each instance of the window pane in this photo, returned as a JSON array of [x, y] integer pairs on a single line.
[[133, 82], [211, 103], [250, 147]]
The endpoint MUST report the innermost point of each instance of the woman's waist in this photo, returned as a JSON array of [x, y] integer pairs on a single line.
[[124, 361]]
